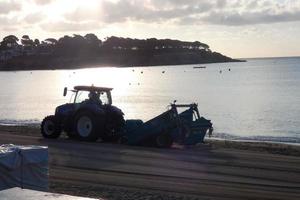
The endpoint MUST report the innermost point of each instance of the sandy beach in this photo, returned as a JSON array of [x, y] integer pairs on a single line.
[[215, 170]]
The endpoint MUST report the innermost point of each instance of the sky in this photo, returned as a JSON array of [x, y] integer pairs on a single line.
[[236, 28]]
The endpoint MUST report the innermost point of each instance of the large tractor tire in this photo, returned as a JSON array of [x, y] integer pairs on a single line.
[[163, 140], [50, 127], [87, 126]]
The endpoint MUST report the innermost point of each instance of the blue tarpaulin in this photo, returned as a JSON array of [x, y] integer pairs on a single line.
[[24, 166]]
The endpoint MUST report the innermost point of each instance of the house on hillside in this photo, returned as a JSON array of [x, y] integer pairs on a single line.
[[14, 51], [19, 50]]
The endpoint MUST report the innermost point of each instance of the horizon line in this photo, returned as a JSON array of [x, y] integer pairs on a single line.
[[265, 57]]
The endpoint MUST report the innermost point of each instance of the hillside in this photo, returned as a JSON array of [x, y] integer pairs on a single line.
[[85, 51]]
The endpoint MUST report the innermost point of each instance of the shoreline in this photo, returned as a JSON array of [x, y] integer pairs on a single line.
[[272, 147], [257, 146], [71, 66]]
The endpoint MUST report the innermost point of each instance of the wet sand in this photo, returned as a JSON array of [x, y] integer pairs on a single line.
[[215, 170]]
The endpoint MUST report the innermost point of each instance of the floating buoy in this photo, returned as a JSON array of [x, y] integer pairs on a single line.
[[220, 71], [229, 69], [163, 72]]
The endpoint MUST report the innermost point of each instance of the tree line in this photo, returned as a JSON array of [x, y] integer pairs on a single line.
[[79, 51], [90, 43]]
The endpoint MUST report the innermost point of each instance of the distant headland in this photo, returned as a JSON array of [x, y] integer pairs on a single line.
[[72, 52]]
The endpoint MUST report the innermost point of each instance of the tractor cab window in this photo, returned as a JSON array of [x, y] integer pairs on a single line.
[[82, 96], [72, 98], [104, 98], [92, 96]]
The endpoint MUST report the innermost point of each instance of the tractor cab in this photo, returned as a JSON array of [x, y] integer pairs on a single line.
[[90, 94]]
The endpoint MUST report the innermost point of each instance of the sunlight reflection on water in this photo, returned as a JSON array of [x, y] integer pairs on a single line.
[[260, 97]]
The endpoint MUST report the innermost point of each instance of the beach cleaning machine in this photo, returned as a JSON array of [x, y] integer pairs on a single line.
[[90, 116]]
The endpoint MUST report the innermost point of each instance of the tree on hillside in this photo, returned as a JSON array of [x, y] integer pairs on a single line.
[[51, 41], [64, 40], [36, 42], [78, 41], [26, 41], [92, 39], [199, 45], [68, 45], [111, 42], [9, 41], [93, 43]]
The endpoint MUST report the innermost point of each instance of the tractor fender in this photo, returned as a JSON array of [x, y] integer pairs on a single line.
[[94, 109], [115, 110], [64, 110]]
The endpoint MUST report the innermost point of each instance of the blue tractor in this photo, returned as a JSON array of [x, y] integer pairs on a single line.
[[89, 116]]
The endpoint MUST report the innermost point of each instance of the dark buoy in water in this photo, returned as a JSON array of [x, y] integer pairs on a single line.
[[129, 83], [220, 71], [163, 72], [138, 83], [142, 72], [133, 70], [229, 69]]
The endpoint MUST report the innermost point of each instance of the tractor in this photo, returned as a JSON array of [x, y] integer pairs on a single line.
[[89, 116]]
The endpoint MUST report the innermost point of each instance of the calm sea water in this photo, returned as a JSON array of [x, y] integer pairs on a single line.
[[256, 100]]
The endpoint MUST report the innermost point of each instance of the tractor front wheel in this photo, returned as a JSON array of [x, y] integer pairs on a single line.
[[50, 127]]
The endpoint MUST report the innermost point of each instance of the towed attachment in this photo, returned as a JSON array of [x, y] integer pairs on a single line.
[[186, 128]]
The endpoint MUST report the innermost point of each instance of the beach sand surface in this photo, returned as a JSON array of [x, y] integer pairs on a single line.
[[215, 170]]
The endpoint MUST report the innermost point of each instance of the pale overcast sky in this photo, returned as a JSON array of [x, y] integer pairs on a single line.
[[237, 28]]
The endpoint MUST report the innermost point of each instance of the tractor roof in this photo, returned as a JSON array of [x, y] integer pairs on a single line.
[[92, 88]]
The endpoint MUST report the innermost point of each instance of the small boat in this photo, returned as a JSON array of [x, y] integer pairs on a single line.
[[200, 67]]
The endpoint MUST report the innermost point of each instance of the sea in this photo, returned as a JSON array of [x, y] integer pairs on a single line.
[[257, 100]]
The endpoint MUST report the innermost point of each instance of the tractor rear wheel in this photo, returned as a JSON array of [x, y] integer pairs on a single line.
[[87, 126], [50, 127]]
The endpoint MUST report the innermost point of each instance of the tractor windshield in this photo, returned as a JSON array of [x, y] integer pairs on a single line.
[[82, 96], [93, 96]]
